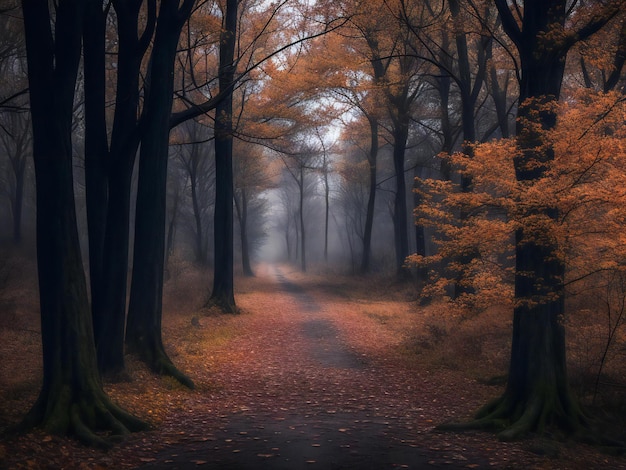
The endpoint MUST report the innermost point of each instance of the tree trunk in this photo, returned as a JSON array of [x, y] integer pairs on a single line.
[[143, 328], [111, 307], [223, 294], [287, 242], [109, 176], [498, 95], [96, 144], [302, 229], [201, 256], [537, 393], [71, 400], [371, 199], [326, 207], [420, 231], [400, 223], [242, 214]]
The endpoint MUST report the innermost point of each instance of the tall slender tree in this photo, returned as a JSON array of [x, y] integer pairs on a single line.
[[223, 294], [143, 326]]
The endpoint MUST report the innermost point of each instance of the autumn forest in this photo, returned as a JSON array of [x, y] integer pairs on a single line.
[[287, 234]]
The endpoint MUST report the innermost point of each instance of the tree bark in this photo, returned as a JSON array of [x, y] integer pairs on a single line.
[[302, 227], [400, 222], [326, 209], [143, 326], [241, 204], [109, 177], [96, 152], [71, 400], [223, 294], [372, 159], [201, 255]]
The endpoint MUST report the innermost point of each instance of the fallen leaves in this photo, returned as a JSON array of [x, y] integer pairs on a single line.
[[257, 406]]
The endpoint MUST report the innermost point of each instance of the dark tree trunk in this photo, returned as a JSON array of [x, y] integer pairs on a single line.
[[71, 400], [171, 231], [420, 231], [498, 95], [109, 179], [223, 294], [201, 255], [143, 328], [296, 224], [302, 228], [447, 134], [287, 241], [372, 159], [112, 305], [537, 393], [96, 149], [400, 222], [326, 211], [241, 204]]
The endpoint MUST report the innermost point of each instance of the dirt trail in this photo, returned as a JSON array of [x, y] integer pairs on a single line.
[[309, 402]]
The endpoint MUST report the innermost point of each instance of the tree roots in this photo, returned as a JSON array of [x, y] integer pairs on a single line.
[[225, 304], [164, 366], [152, 353], [90, 416], [538, 417]]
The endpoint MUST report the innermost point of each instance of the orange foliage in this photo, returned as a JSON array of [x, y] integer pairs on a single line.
[[585, 183]]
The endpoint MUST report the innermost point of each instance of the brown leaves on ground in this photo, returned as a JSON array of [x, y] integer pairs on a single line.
[[338, 358]]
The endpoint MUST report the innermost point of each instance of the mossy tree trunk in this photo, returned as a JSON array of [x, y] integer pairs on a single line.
[[71, 400], [143, 327]]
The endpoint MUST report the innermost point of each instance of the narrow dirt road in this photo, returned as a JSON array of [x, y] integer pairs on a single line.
[[309, 401]]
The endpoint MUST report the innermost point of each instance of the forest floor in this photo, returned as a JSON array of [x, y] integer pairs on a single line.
[[317, 371]]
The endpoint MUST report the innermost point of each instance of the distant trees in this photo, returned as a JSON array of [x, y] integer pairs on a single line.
[[16, 141], [396, 70], [252, 176], [195, 157], [299, 166], [15, 128]]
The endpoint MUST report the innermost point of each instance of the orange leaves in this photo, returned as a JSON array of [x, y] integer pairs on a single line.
[[578, 204]]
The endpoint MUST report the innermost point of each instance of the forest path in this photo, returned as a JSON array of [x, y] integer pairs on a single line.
[[296, 395]]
